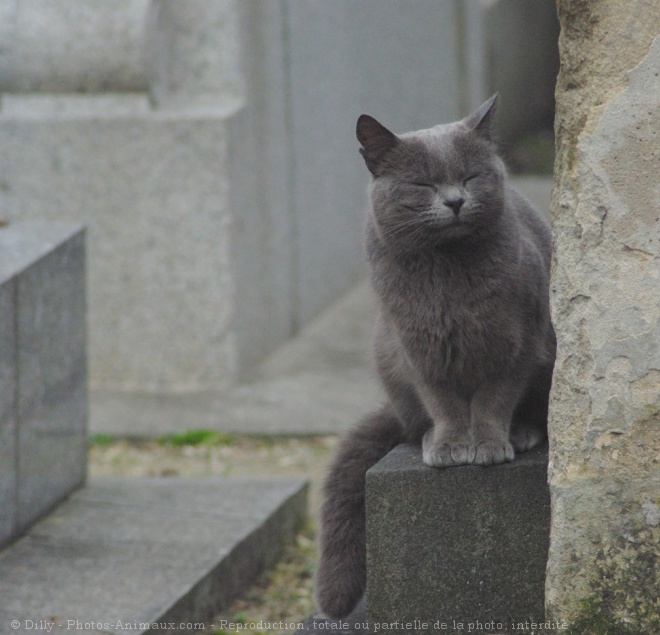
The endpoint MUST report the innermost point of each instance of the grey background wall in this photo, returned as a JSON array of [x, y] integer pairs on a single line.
[[522, 62], [209, 147]]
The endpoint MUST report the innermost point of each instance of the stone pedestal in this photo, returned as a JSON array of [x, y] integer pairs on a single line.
[[447, 548], [43, 398]]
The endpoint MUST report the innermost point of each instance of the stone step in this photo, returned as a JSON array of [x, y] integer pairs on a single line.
[[122, 553]]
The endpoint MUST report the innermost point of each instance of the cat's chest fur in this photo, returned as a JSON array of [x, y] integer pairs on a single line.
[[450, 312]]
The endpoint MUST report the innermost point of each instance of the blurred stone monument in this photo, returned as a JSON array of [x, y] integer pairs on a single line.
[[209, 148]]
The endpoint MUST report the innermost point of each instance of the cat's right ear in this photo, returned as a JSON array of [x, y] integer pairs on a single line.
[[481, 120], [376, 141]]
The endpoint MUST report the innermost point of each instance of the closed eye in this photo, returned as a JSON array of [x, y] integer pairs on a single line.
[[426, 185], [469, 178]]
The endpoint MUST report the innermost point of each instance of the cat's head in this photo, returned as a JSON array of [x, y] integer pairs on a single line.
[[439, 185]]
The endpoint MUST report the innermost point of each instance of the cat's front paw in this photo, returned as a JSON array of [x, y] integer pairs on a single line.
[[493, 452], [446, 453]]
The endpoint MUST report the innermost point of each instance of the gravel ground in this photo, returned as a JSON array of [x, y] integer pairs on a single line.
[[284, 594]]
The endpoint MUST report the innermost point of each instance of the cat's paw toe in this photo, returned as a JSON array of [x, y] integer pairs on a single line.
[[493, 452], [448, 454], [524, 439]]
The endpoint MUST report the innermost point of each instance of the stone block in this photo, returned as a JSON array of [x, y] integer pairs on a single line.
[[462, 545], [59, 46], [184, 54], [193, 57], [44, 405]]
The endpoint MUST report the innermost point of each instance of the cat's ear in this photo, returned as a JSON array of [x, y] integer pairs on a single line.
[[481, 120], [376, 141]]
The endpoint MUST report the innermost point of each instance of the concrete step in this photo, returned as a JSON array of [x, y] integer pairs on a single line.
[[122, 552]]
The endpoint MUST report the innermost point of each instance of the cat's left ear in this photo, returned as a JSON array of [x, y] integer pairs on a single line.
[[376, 141], [481, 120]]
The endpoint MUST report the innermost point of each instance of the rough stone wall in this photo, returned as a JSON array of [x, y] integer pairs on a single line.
[[605, 405]]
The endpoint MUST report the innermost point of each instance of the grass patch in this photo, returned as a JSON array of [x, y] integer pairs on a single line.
[[197, 437], [101, 439]]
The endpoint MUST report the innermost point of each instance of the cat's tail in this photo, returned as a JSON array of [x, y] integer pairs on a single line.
[[342, 572]]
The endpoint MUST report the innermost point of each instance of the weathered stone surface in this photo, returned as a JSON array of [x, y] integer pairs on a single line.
[[605, 405], [184, 54], [59, 46], [193, 62], [52, 379], [457, 546]]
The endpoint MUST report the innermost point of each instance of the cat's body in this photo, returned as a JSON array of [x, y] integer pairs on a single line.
[[464, 345]]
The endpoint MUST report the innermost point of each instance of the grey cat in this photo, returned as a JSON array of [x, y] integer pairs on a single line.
[[464, 345]]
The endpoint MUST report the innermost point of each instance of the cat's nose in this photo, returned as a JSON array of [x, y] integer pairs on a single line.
[[454, 203]]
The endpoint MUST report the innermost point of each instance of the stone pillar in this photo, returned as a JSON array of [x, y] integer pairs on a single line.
[[605, 407], [457, 550]]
